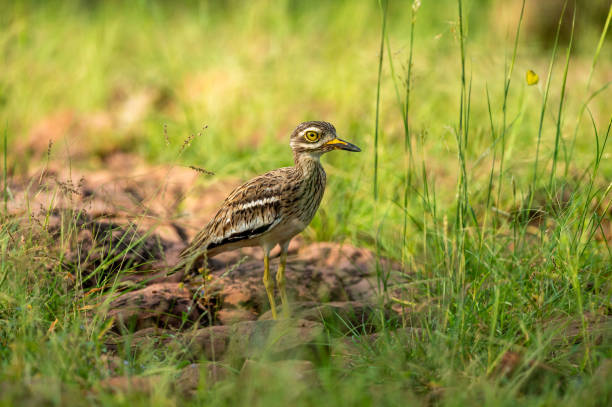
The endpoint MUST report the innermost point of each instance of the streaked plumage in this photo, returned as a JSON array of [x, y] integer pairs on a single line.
[[271, 208]]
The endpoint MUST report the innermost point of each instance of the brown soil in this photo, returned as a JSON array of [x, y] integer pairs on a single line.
[[119, 231]]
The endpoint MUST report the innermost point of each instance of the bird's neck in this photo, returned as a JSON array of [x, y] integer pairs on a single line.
[[308, 163]]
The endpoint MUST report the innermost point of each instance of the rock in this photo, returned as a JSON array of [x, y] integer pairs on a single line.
[[143, 338], [288, 380], [190, 378], [130, 384], [302, 371], [363, 289], [232, 316], [102, 249], [319, 272], [226, 342], [250, 338], [122, 217], [210, 342], [160, 305]]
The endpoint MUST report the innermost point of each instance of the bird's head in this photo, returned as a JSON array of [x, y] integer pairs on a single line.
[[316, 138]]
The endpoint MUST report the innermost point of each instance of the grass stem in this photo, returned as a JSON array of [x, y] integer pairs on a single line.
[[384, 4]]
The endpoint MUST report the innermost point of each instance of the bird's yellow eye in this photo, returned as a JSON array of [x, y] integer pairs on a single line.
[[312, 136]]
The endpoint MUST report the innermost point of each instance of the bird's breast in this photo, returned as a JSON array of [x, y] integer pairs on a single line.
[[312, 189]]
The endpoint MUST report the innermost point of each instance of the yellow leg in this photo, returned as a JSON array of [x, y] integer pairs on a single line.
[[269, 283], [280, 280]]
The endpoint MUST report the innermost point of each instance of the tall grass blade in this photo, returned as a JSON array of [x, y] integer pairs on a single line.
[[545, 103], [561, 101], [5, 171], [602, 37], [384, 6], [505, 104], [406, 121], [604, 32]]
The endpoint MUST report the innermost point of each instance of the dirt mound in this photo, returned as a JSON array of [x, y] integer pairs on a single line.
[[123, 227], [118, 232], [233, 290]]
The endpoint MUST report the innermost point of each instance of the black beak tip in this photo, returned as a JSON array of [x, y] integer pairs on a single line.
[[350, 147]]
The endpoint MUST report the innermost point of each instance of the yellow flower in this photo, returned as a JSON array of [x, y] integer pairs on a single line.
[[532, 78]]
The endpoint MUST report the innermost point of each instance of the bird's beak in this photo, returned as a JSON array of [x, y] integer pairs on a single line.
[[342, 145]]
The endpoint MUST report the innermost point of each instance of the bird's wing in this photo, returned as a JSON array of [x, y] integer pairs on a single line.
[[249, 211]]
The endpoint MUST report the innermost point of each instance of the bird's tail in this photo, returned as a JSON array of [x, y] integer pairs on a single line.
[[191, 258], [194, 255]]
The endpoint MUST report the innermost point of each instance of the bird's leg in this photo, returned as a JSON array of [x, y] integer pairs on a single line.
[[269, 283], [280, 278]]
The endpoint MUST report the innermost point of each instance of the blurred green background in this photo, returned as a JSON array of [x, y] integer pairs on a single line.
[[492, 253], [124, 76]]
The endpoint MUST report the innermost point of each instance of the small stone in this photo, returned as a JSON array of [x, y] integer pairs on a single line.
[[163, 305], [232, 316], [125, 384], [190, 377], [302, 371]]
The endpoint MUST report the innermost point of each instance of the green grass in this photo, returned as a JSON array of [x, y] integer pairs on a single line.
[[459, 156]]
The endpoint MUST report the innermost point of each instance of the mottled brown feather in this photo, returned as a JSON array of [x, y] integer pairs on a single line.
[[276, 205]]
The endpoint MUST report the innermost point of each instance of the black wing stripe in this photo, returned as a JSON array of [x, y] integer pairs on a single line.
[[245, 234]]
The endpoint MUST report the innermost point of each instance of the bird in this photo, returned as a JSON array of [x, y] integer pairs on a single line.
[[272, 208]]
